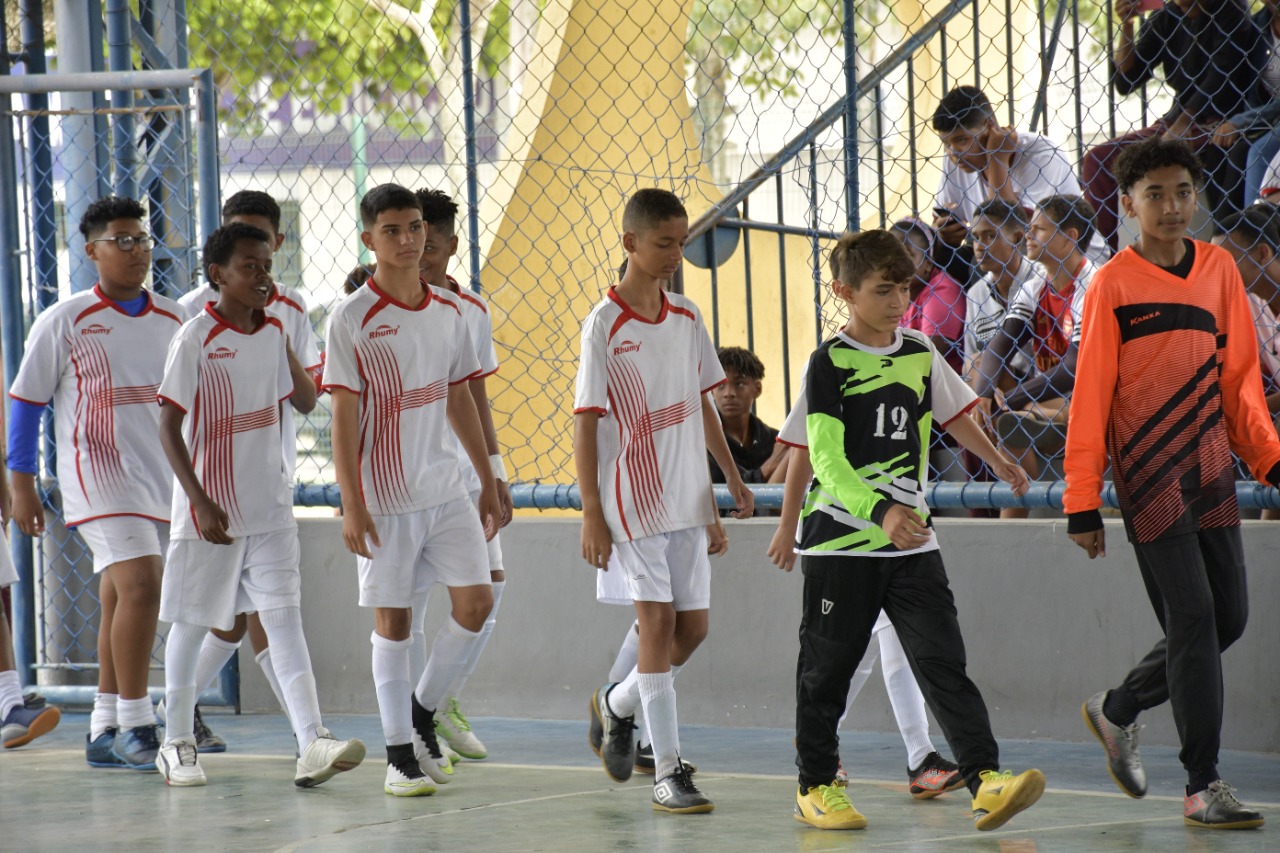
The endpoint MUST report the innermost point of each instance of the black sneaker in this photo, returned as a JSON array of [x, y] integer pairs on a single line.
[[645, 763], [33, 701], [206, 740], [617, 737], [404, 777], [677, 794], [934, 776], [1216, 807]]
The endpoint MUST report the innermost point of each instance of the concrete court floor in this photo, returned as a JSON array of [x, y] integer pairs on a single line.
[[545, 791]]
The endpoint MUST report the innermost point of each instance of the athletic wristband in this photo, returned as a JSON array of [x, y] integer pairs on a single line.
[[1085, 521], [499, 470]]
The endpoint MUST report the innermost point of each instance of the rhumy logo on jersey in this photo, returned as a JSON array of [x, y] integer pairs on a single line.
[[626, 346], [96, 329], [383, 331], [222, 352]]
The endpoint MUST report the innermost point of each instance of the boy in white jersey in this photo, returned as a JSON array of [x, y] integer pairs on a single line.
[[397, 361], [439, 221], [99, 357], [643, 424], [235, 541], [289, 306]]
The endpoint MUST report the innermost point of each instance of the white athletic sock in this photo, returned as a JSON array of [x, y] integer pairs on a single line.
[[214, 654], [628, 655], [391, 681], [292, 664], [906, 698], [10, 692], [418, 651], [181, 657], [860, 676], [624, 698], [449, 652], [486, 631], [647, 738], [104, 714], [263, 659], [658, 695]]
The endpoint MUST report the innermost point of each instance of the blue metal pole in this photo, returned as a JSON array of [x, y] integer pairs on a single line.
[[850, 117], [44, 225], [11, 326], [120, 58], [469, 128], [207, 154]]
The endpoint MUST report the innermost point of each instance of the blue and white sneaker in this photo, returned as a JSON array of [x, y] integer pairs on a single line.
[[137, 747], [23, 724], [101, 752]]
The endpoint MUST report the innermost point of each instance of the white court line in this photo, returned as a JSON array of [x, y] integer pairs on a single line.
[[1037, 830]]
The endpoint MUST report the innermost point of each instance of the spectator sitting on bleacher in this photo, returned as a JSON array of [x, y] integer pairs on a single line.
[[1252, 238], [760, 458], [998, 230], [1045, 313], [1212, 55], [937, 301], [986, 161]]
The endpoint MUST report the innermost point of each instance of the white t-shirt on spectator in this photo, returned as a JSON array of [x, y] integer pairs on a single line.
[[985, 312]]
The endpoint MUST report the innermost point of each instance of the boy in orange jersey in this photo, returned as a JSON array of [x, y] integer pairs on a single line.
[[1167, 386]]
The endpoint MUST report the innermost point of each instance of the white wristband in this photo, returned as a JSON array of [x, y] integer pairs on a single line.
[[499, 470]]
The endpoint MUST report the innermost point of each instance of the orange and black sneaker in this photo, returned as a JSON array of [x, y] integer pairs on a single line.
[[934, 776], [1216, 807]]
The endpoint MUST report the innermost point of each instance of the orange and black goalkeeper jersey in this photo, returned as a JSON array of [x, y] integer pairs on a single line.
[[1167, 385]]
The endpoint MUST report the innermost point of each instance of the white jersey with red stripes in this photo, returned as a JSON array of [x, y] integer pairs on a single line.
[[646, 380], [400, 360], [101, 368], [230, 385], [480, 327], [288, 306]]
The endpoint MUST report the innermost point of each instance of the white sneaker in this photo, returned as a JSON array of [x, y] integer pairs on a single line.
[[454, 729], [434, 764], [177, 762], [325, 757], [409, 782], [447, 752]]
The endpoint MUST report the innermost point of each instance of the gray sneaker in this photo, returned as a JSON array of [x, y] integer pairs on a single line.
[[1216, 807], [678, 795], [1121, 744], [617, 737]]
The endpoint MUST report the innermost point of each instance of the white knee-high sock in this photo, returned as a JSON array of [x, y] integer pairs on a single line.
[[860, 676], [449, 652], [624, 697], [628, 654], [486, 631], [10, 692], [391, 681], [104, 714], [181, 654], [906, 698], [214, 654], [269, 672], [658, 695], [417, 633], [292, 663], [647, 738]]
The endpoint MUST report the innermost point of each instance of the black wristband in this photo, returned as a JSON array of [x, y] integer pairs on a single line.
[[1273, 476], [1084, 522]]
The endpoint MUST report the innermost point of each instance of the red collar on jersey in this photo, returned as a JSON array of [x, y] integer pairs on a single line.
[[630, 314], [223, 326], [384, 297], [111, 303]]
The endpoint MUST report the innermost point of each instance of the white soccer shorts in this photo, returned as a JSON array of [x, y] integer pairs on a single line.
[[117, 538], [666, 567], [441, 544], [207, 584]]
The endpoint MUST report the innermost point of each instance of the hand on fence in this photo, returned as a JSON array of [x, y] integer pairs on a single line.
[[1094, 542], [1011, 472], [782, 548], [1226, 134], [212, 521], [358, 530], [717, 540], [904, 528], [596, 541]]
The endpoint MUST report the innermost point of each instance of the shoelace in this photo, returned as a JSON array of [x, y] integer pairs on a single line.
[[1225, 794], [622, 729], [454, 713], [684, 779], [147, 736], [834, 798], [996, 776], [187, 754]]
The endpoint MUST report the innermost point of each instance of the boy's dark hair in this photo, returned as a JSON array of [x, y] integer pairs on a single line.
[[741, 361], [1254, 226], [358, 276], [963, 106], [104, 211], [438, 210], [221, 245], [856, 256], [386, 197], [1006, 215], [252, 203], [1070, 211], [914, 229], [650, 207], [1137, 161]]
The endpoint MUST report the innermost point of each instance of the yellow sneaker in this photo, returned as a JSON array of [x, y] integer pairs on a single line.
[[1003, 795], [828, 807]]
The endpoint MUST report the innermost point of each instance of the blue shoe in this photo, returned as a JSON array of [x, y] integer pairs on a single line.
[[101, 752], [24, 724], [137, 747]]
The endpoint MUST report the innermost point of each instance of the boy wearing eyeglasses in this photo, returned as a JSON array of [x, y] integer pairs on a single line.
[[98, 356]]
